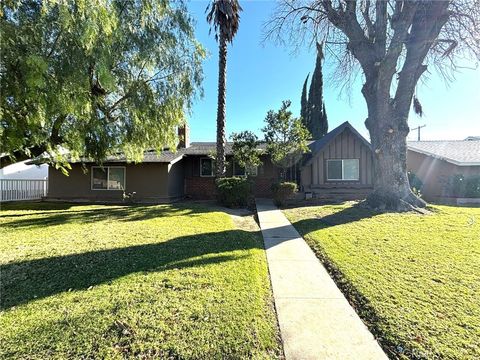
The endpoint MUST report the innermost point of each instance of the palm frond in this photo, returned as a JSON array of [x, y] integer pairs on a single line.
[[224, 18]]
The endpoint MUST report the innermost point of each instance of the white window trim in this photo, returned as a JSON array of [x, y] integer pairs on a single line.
[[108, 177], [213, 170], [253, 167], [343, 173]]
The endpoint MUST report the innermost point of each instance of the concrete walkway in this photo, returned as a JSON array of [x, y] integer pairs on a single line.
[[316, 321]]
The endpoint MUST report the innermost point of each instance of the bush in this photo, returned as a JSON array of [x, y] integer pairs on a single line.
[[234, 191], [283, 191], [463, 186]]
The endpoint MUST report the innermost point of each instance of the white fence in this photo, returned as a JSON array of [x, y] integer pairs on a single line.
[[16, 189]]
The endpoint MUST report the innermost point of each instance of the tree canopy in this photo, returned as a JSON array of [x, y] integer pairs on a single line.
[[90, 80], [245, 150], [285, 135]]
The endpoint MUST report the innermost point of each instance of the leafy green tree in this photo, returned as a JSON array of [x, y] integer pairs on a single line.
[[224, 16], [313, 110], [245, 150], [92, 80], [286, 137]]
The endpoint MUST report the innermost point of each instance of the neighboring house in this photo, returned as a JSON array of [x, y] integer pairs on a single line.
[[20, 181], [435, 161], [340, 164], [21, 170]]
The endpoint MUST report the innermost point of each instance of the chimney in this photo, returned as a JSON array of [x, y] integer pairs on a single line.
[[183, 136]]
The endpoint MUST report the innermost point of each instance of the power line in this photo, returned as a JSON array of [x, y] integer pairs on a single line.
[[418, 129]]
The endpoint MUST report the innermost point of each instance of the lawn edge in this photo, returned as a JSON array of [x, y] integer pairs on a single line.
[[360, 304]]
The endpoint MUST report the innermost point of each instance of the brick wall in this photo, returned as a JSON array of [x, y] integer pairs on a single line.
[[203, 188], [200, 188]]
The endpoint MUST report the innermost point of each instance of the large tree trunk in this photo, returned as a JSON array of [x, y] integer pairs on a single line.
[[221, 113], [388, 127]]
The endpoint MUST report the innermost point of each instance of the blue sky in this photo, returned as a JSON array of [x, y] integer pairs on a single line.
[[260, 76]]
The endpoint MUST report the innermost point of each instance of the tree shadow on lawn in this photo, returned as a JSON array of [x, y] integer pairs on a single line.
[[347, 215], [122, 213], [35, 279], [359, 302], [37, 205]]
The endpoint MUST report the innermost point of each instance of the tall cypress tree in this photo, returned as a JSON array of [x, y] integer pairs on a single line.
[[304, 104], [315, 116]]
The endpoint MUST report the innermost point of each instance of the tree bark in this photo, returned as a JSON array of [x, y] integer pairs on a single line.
[[388, 129], [388, 117], [221, 106]]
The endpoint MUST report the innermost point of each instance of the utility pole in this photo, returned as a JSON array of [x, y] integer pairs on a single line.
[[418, 128]]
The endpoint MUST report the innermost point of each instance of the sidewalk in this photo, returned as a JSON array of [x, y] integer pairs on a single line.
[[316, 321]]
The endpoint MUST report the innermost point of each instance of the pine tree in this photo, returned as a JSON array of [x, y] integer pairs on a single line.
[[314, 112], [304, 103]]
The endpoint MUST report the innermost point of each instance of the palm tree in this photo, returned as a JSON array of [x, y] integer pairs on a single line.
[[224, 17]]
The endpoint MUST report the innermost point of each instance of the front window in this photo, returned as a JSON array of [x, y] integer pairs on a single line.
[[108, 178], [344, 169], [207, 167]]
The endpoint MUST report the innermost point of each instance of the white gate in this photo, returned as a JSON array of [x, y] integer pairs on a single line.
[[19, 189]]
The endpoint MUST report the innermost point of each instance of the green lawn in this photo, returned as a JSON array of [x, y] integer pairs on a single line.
[[172, 282], [415, 279]]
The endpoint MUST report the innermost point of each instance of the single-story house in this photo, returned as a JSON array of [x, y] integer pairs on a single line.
[[339, 164], [434, 162]]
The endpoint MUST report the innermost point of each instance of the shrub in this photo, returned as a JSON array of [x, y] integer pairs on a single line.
[[234, 191], [283, 191], [463, 186], [415, 183]]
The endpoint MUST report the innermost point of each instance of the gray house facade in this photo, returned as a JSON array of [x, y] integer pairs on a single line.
[[434, 162]]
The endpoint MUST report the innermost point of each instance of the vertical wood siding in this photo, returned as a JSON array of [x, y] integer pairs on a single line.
[[345, 146]]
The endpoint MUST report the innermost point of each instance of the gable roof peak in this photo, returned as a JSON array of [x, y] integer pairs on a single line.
[[318, 145]]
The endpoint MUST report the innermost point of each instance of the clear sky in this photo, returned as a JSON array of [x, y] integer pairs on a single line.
[[260, 76]]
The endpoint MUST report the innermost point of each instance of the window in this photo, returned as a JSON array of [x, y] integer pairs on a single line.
[[345, 169], [240, 171], [207, 167], [108, 178]]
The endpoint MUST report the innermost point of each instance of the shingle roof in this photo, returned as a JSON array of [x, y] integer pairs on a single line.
[[207, 148], [319, 144], [458, 152], [149, 156], [167, 156]]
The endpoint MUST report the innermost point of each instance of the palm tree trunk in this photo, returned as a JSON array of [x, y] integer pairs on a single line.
[[221, 106]]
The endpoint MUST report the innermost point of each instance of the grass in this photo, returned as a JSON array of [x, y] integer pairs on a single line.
[[171, 282], [414, 279]]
